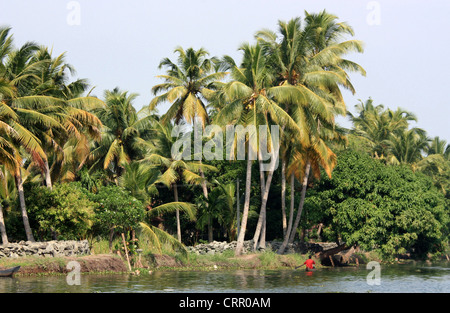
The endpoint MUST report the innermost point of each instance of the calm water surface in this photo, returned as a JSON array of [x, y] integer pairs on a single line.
[[420, 278]]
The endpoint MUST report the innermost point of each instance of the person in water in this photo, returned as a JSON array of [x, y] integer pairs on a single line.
[[310, 264]]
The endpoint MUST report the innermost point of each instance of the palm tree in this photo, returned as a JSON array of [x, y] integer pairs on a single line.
[[77, 124], [189, 83], [376, 125], [220, 207], [139, 178], [173, 170], [158, 237], [16, 76], [310, 58], [408, 147], [123, 133], [250, 99], [438, 146]]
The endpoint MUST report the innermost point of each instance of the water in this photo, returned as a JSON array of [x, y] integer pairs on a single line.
[[418, 278]]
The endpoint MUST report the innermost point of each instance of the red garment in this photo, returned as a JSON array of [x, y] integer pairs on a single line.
[[309, 263]]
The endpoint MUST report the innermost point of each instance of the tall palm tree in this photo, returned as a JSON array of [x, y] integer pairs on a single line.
[[16, 78], [173, 170], [123, 133], [251, 99], [77, 124], [310, 58], [189, 83]]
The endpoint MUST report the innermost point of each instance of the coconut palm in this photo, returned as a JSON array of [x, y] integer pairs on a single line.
[[173, 170], [250, 100], [17, 77], [310, 59], [79, 125], [376, 125], [189, 83], [439, 146], [220, 207], [157, 238], [408, 147], [123, 133]]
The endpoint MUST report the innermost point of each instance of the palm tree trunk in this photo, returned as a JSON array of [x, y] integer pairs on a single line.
[[260, 232], [291, 218], [175, 195], [2, 226], [262, 214], [302, 200], [283, 196], [205, 193], [248, 181], [48, 178], [262, 179], [23, 208], [210, 229], [204, 187]]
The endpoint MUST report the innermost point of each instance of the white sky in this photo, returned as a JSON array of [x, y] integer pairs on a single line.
[[120, 43]]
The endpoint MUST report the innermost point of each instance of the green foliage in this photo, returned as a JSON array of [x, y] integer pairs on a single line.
[[116, 209], [386, 208], [64, 212]]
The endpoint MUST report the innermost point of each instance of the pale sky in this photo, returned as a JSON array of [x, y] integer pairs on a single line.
[[120, 43]]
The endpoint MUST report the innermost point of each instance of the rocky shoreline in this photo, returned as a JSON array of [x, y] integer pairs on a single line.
[[52, 248], [296, 247]]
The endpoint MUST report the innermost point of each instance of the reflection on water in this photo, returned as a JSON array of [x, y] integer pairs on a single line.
[[394, 278]]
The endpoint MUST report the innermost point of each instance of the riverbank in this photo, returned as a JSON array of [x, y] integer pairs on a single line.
[[203, 257], [111, 263], [36, 265]]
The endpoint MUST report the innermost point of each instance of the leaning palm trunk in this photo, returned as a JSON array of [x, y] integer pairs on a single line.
[[248, 178], [302, 201], [283, 196], [175, 195], [291, 218], [204, 188], [260, 232], [48, 178], [2, 226], [262, 216], [205, 193], [23, 208]]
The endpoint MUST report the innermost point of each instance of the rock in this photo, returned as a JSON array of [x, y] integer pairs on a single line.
[[47, 249]]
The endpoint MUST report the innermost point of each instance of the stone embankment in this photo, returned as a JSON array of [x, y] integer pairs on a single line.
[[46, 249], [297, 247]]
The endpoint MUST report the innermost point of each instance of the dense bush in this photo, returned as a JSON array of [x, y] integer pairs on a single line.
[[116, 209], [64, 212], [386, 208]]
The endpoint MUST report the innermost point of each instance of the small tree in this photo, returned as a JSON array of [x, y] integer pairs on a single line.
[[117, 210], [64, 212]]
